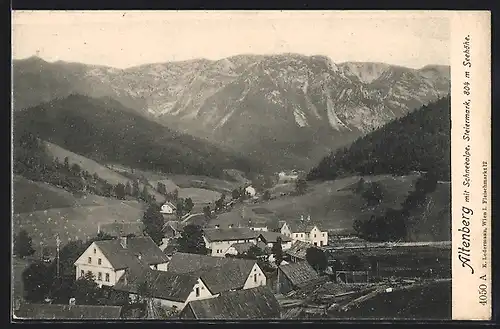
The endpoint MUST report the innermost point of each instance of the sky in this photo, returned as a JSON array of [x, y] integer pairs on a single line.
[[125, 39]]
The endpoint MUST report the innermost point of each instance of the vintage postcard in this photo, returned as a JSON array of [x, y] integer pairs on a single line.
[[244, 165]]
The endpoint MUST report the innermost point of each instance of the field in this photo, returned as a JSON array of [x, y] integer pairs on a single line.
[[335, 205], [431, 301], [199, 195], [111, 176], [31, 196], [87, 164], [78, 222], [187, 181]]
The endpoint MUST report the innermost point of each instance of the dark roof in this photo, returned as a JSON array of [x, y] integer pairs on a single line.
[[224, 220], [242, 247], [121, 258], [229, 234], [255, 303], [168, 203], [299, 273], [298, 226], [164, 285], [218, 273], [55, 311], [299, 249], [171, 227], [271, 237], [121, 229]]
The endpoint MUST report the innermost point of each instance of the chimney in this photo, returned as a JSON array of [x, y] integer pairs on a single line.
[[123, 242], [72, 301]]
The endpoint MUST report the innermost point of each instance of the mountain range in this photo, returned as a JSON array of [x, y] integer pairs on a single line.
[[286, 110]]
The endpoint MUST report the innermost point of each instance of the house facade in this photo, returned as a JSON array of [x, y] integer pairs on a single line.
[[305, 231], [108, 260], [220, 240], [168, 208], [250, 190]]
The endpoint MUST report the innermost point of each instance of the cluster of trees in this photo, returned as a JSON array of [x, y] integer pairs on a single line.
[[394, 223], [40, 279], [317, 259], [23, 244], [372, 192], [32, 161], [191, 240], [419, 141]]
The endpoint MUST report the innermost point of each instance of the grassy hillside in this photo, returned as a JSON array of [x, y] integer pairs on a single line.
[[335, 205], [420, 141], [93, 167], [105, 131], [78, 222], [31, 196]]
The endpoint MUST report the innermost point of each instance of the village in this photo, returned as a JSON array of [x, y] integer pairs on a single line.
[[228, 261]]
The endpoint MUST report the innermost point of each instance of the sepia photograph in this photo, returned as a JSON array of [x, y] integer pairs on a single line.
[[233, 165]]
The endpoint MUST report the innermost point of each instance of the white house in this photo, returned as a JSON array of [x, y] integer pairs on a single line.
[[168, 289], [108, 260], [250, 190], [168, 208], [219, 240], [304, 231], [218, 273]]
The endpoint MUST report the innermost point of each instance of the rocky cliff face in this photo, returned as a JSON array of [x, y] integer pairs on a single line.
[[289, 109]]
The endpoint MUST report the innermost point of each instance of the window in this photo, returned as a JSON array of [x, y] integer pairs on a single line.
[[296, 235], [107, 277], [314, 235], [315, 243], [90, 273], [82, 273], [94, 251], [301, 235], [255, 278], [90, 260], [323, 234], [197, 292], [321, 243], [99, 261], [99, 276]]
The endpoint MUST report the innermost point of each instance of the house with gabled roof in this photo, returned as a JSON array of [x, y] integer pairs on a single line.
[[220, 240], [168, 208], [107, 260], [298, 251], [250, 304], [304, 230], [294, 276], [67, 312], [167, 289], [218, 273], [270, 238], [117, 229]]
